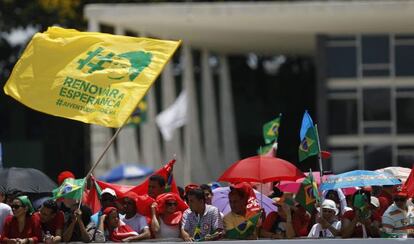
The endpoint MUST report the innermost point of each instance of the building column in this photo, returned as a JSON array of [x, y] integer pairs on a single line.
[[193, 162], [174, 146], [210, 126], [228, 125]]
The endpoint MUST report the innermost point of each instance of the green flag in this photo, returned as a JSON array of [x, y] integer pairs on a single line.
[[308, 193], [245, 229], [308, 138], [70, 188], [271, 130]]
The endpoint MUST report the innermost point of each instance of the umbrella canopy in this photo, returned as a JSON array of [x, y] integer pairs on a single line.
[[27, 180], [221, 200], [293, 186], [398, 172], [358, 178], [126, 172], [261, 169]]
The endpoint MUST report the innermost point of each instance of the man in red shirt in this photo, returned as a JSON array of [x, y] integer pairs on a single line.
[[49, 222]]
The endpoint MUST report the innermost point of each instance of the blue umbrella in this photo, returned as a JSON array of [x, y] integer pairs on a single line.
[[358, 178], [126, 172]]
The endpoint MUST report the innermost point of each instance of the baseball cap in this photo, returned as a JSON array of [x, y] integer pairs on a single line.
[[109, 191], [329, 204]]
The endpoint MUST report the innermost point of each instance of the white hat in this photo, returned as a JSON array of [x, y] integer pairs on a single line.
[[329, 204], [375, 202], [109, 191]]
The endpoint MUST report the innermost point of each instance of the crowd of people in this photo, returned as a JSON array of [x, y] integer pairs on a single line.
[[369, 212]]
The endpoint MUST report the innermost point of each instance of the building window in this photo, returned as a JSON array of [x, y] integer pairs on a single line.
[[341, 62], [375, 49], [405, 115], [405, 156], [377, 156], [377, 104], [344, 159], [342, 116], [404, 60]]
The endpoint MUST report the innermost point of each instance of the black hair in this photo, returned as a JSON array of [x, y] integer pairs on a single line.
[[197, 193], [159, 179], [206, 187], [51, 204]]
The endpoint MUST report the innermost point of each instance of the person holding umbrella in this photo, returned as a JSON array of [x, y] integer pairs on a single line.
[[20, 227]]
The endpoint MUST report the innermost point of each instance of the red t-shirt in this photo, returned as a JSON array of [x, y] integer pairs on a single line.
[[385, 201], [56, 223], [300, 223], [11, 229], [358, 233]]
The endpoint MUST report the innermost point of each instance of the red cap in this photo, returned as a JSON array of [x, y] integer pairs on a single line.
[[245, 187], [189, 187], [401, 192], [63, 176], [108, 210]]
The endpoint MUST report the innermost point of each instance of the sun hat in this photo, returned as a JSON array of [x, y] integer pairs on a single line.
[[329, 204]]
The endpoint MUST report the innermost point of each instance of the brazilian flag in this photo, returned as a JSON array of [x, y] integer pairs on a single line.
[[308, 193], [309, 143], [271, 130], [70, 188], [245, 229], [139, 116]]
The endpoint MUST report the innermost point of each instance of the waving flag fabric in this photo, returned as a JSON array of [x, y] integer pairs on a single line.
[[308, 138], [308, 193], [245, 229], [87, 76], [271, 130], [70, 188]]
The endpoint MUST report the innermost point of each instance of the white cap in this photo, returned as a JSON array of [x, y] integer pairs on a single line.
[[329, 204], [375, 202], [109, 191]]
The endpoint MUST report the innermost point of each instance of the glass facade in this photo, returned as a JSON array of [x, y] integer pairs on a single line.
[[370, 99]]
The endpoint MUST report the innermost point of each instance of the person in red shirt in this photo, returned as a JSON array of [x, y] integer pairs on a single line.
[[50, 222], [288, 222], [19, 227], [385, 198]]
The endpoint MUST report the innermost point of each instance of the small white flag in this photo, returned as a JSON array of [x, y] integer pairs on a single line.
[[173, 117]]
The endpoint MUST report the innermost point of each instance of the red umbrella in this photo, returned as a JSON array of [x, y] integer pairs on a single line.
[[261, 169]]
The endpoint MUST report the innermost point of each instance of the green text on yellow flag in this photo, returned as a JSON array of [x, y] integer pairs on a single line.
[[70, 188], [86, 76], [271, 130], [308, 138]]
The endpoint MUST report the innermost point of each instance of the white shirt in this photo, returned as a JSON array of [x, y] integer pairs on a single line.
[[397, 220], [168, 231], [318, 232], [137, 223], [5, 210]]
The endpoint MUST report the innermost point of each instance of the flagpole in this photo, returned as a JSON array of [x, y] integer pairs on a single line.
[[319, 153], [99, 160]]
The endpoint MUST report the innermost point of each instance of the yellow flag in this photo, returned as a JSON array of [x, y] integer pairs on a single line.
[[91, 77]]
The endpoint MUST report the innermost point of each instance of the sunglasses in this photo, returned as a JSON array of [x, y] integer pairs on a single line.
[[171, 203], [16, 206]]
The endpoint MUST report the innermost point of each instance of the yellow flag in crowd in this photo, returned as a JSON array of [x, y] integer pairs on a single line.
[[91, 77]]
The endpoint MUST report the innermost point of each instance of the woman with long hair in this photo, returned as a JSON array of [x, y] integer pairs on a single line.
[[19, 227], [167, 212]]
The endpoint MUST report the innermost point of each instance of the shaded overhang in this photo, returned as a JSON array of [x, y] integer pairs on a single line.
[[261, 27]]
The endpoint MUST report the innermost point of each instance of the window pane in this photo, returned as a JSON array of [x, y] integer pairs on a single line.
[[377, 130], [406, 156], [375, 49], [404, 60], [342, 116], [341, 62], [344, 159], [377, 157], [405, 115], [376, 104]]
